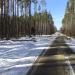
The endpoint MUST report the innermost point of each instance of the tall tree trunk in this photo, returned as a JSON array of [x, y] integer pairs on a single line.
[[1, 24]]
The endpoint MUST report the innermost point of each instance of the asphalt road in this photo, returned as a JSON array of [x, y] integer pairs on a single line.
[[58, 60]]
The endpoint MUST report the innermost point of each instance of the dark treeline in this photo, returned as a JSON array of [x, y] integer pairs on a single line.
[[68, 22], [16, 19]]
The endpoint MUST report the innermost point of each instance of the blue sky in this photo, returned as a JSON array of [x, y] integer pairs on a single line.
[[57, 9]]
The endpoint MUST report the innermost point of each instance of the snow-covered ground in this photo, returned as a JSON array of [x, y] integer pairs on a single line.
[[17, 57], [70, 42]]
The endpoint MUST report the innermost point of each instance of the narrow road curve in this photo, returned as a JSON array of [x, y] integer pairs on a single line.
[[55, 61]]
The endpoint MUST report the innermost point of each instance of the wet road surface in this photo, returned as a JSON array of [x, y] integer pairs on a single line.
[[59, 59]]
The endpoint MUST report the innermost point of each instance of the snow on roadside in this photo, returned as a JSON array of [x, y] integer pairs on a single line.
[[71, 43], [17, 57]]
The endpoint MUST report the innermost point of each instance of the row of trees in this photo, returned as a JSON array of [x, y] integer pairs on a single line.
[[44, 23], [16, 19], [69, 19]]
